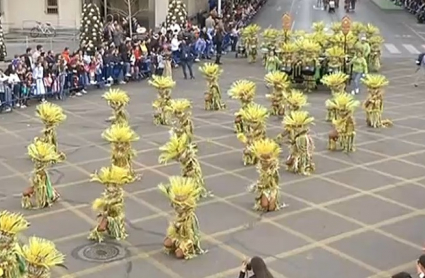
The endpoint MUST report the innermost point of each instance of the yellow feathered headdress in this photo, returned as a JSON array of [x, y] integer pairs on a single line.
[[42, 253], [117, 97], [181, 191], [265, 149], [12, 223], [119, 133], [297, 119], [50, 113], [173, 148], [112, 175]]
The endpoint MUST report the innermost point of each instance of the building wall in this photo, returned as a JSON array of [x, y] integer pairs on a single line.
[[24, 13]]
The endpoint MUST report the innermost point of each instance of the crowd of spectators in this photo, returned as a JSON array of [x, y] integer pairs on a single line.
[[39, 74]]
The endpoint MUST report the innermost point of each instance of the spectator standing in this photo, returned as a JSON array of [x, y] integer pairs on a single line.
[[29, 62], [187, 56], [210, 22], [167, 54], [37, 52], [38, 75], [218, 41]]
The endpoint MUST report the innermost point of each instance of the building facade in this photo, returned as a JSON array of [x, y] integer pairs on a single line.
[[23, 14]]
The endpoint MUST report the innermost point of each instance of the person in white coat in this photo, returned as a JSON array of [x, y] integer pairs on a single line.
[[38, 74]]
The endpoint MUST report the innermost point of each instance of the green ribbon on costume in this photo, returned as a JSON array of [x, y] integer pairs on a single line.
[[49, 187]]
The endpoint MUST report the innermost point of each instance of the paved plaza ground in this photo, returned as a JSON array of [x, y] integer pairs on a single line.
[[360, 215]]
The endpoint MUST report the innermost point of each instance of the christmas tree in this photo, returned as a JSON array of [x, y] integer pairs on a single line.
[[3, 52], [91, 28], [177, 14]]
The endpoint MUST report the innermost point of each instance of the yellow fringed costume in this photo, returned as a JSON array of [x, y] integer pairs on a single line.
[[12, 263], [344, 135], [374, 103], [254, 117], [279, 83], [163, 84], [180, 111], [110, 207], [120, 137], [181, 150], [301, 145], [41, 256], [213, 100], [41, 193], [118, 100], [250, 38], [296, 100], [244, 91], [267, 187], [183, 234], [51, 115], [337, 83]]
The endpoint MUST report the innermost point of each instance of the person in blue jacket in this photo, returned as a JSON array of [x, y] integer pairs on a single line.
[[187, 56]]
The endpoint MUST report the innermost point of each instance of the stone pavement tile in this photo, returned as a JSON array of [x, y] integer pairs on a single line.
[[418, 138], [171, 169], [318, 262], [410, 229], [220, 217], [68, 174], [399, 169], [226, 161], [408, 194], [325, 164], [75, 248], [148, 235], [415, 123], [10, 140], [211, 148], [246, 201], [376, 250], [5, 177], [158, 138], [85, 153], [82, 193], [213, 131], [231, 141], [84, 124], [317, 190], [27, 135], [130, 268], [68, 143], [391, 132], [409, 110], [227, 185], [356, 158], [416, 158], [22, 164], [149, 180], [15, 150], [218, 117], [285, 176], [363, 179], [214, 261], [392, 147], [148, 158], [368, 209], [94, 165], [394, 101], [59, 225], [135, 209], [155, 198], [318, 224], [263, 239]]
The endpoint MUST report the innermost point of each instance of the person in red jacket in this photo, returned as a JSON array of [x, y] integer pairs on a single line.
[[65, 55]]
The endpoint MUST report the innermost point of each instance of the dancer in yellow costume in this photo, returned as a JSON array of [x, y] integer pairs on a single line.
[[110, 206], [244, 91], [279, 83], [267, 186], [41, 193], [374, 103], [118, 100], [344, 135], [213, 100], [183, 234], [12, 262], [41, 256], [254, 117], [163, 84]]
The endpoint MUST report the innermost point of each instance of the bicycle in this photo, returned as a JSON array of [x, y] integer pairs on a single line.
[[45, 29]]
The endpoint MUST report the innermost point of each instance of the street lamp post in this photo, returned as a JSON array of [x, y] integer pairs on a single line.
[[286, 25]]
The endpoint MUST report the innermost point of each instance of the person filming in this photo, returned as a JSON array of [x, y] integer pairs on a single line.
[[257, 266]]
